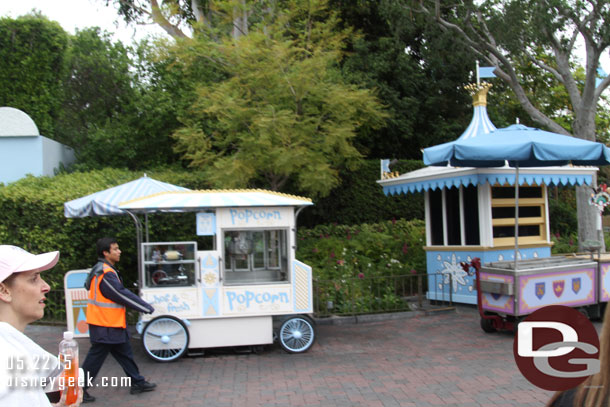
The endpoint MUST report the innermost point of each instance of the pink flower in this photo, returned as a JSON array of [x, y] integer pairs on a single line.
[[315, 250], [360, 275], [340, 262], [405, 248], [393, 221], [349, 236], [332, 255], [413, 271]]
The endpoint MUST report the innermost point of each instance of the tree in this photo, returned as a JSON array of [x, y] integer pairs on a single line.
[[403, 57], [283, 113], [117, 110], [32, 55], [97, 86], [180, 18], [543, 35]]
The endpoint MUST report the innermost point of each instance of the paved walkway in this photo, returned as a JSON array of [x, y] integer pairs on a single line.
[[439, 360]]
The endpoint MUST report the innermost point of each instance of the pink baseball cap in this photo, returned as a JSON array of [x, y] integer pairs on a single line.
[[14, 259]]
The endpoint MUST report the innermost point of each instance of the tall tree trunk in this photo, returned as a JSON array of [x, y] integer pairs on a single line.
[[589, 219], [240, 20]]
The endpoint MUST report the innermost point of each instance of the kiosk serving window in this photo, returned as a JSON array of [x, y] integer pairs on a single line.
[[255, 256], [169, 264], [532, 215], [454, 216]]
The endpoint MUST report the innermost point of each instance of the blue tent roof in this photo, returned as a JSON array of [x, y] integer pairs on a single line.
[[106, 202], [519, 145]]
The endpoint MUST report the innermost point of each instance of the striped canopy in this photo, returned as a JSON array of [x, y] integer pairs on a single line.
[[194, 200], [106, 202]]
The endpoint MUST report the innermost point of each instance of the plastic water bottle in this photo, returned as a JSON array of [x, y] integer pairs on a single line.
[[68, 356]]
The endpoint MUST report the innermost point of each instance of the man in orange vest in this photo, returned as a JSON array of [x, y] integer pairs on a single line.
[[106, 316]]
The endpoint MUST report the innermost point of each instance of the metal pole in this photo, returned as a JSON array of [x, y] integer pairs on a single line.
[[146, 225], [516, 213], [138, 242]]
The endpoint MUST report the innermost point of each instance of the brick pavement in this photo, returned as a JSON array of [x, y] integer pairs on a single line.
[[439, 360]]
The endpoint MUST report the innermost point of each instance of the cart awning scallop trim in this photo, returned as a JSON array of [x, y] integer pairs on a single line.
[[213, 199]]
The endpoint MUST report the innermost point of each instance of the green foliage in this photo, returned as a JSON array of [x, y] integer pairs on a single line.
[[283, 113], [32, 51], [564, 244], [115, 113], [562, 211], [359, 199], [405, 59], [354, 258]]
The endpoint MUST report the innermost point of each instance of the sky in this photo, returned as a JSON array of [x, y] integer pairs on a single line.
[[72, 14]]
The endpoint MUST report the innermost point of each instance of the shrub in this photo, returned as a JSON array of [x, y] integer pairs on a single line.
[[351, 261]]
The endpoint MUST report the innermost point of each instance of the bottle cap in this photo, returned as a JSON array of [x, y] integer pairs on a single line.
[[68, 335]]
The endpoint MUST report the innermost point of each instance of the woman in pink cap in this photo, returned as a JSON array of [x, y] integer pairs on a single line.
[[26, 369]]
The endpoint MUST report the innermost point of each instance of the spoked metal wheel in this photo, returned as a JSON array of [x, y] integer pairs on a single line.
[[297, 334], [165, 338]]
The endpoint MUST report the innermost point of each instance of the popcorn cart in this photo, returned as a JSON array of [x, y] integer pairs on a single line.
[[234, 294]]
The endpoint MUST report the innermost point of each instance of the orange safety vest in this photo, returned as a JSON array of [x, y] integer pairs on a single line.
[[100, 310]]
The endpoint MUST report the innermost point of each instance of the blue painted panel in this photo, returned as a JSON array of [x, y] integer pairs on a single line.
[[20, 156], [77, 280], [447, 280]]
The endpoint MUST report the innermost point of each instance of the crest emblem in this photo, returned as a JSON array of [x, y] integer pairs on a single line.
[[496, 296], [576, 285], [558, 287], [540, 290]]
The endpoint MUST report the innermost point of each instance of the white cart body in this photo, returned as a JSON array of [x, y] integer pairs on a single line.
[[227, 296]]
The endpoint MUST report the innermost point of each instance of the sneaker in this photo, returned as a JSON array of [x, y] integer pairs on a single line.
[[142, 387], [87, 398]]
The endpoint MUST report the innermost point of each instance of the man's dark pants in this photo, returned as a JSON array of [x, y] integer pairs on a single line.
[[121, 352]]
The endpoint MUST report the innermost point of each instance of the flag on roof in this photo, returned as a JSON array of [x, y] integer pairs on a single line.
[[487, 72]]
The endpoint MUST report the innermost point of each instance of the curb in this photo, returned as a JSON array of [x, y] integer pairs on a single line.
[[367, 318]]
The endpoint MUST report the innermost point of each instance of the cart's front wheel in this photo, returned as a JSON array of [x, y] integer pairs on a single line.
[[165, 338], [297, 334], [487, 324]]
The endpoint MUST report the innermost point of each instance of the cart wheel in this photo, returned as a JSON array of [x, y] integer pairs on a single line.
[[165, 338], [297, 334], [487, 325], [516, 323]]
